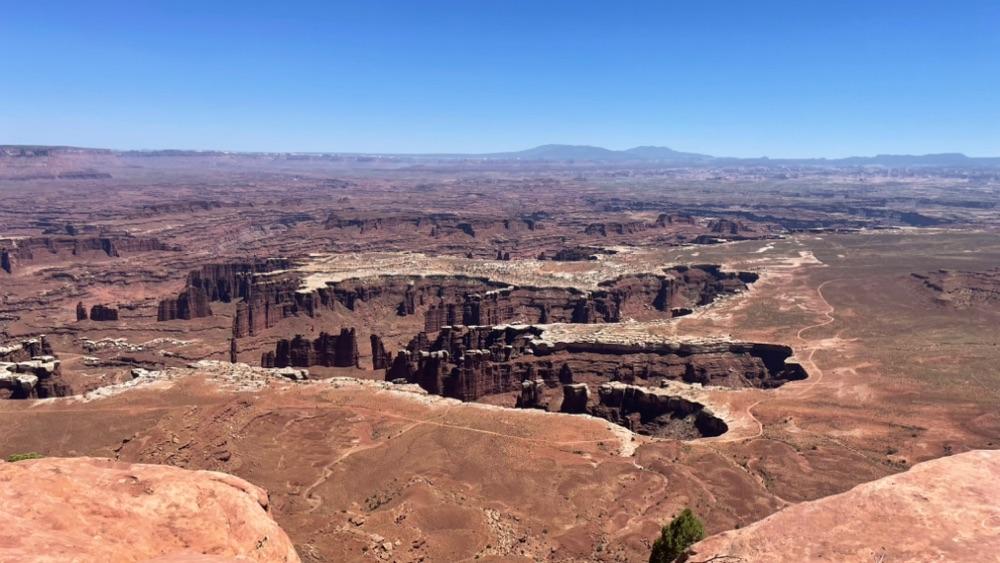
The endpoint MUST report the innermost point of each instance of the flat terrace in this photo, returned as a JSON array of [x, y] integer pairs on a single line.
[[320, 269]]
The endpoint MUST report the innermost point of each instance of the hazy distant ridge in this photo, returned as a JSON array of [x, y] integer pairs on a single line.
[[669, 156], [576, 153]]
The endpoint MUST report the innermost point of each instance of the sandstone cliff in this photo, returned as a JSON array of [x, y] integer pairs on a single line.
[[326, 350], [90, 509], [14, 251], [947, 509]]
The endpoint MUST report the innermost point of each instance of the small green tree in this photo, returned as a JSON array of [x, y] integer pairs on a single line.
[[676, 537]]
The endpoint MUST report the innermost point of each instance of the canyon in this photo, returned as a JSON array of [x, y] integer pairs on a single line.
[[447, 359]]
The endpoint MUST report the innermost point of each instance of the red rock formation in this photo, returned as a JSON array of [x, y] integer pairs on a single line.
[[419, 343], [726, 226], [469, 362], [25, 350], [29, 369], [346, 349], [326, 350], [184, 207], [402, 368], [433, 369], [81, 312], [192, 303], [89, 509], [228, 282], [503, 344], [434, 225], [103, 313], [40, 247], [576, 396], [408, 306], [487, 309], [623, 227], [464, 303], [651, 412], [963, 289], [532, 395], [465, 362], [565, 374], [729, 364], [268, 359], [476, 375], [575, 254], [380, 359], [253, 316], [460, 300], [674, 219], [441, 314]]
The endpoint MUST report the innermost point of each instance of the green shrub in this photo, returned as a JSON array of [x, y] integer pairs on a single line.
[[676, 537], [22, 457]]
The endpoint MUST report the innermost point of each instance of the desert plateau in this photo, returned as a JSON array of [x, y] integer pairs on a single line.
[[446, 359]]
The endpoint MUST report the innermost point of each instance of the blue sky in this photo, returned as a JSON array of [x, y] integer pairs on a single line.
[[738, 78]]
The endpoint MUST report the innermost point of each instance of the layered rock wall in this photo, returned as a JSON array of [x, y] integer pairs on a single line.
[[326, 350], [13, 251]]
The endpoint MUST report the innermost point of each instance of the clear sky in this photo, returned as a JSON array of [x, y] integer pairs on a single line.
[[738, 78]]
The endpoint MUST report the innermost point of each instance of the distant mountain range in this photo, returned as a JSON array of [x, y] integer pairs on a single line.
[[586, 152], [666, 155], [579, 153]]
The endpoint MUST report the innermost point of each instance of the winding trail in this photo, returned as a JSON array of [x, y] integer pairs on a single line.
[[812, 352], [314, 500], [815, 374], [815, 377]]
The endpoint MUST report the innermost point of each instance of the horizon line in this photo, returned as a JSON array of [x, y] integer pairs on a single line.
[[484, 154]]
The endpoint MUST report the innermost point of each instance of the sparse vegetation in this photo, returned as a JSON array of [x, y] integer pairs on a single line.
[[21, 457], [682, 532]]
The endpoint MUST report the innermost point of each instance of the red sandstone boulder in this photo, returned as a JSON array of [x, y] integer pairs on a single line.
[[89, 509], [947, 509]]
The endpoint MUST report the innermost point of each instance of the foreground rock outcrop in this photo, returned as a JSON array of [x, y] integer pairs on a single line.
[[90, 509], [947, 509]]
